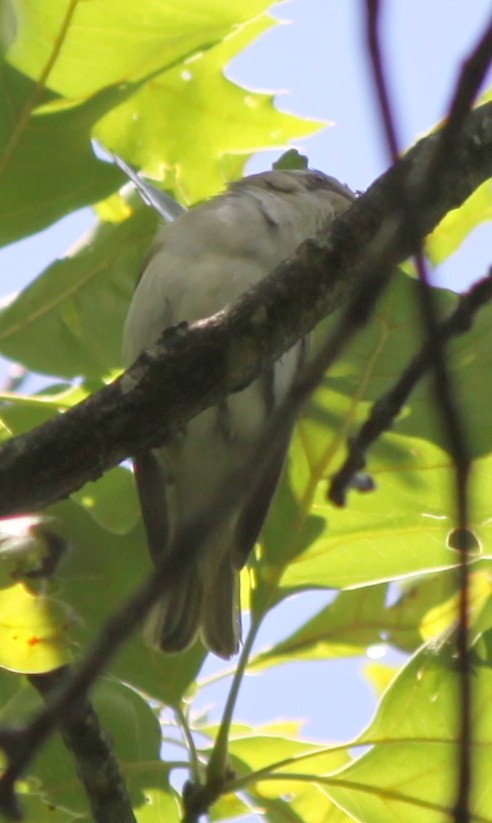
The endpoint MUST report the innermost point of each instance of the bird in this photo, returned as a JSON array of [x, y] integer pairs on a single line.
[[199, 264]]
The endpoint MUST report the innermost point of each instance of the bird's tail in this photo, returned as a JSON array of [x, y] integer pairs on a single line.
[[205, 602]]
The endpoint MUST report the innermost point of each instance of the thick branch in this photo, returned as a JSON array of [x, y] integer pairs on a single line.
[[192, 368]]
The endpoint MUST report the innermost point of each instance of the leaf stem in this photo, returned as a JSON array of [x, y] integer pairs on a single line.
[[183, 724], [216, 768]]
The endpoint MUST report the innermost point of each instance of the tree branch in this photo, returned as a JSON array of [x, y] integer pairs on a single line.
[[387, 408], [191, 368], [95, 760], [472, 75]]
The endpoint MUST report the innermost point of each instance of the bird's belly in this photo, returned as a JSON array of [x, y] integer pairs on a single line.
[[219, 442]]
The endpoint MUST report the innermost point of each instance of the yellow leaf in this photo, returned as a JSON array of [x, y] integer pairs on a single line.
[[114, 209], [380, 675], [459, 223], [33, 631], [442, 617]]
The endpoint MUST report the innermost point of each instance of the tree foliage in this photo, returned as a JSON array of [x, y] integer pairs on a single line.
[[154, 92]]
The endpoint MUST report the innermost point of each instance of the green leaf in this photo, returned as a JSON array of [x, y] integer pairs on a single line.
[[136, 738], [37, 806], [22, 413], [99, 573], [93, 45], [417, 598], [378, 355], [291, 159], [483, 623], [70, 320], [54, 398], [305, 803], [459, 223], [96, 58], [402, 527], [47, 166], [411, 770], [347, 626], [111, 501], [260, 752], [222, 118], [359, 618], [438, 620], [379, 676], [399, 530], [230, 806], [264, 751]]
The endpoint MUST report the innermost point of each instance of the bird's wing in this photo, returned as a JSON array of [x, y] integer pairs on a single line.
[[257, 503], [151, 489]]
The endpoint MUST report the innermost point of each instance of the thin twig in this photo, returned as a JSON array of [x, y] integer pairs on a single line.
[[379, 77], [387, 408], [472, 75], [466, 90], [467, 87], [189, 742]]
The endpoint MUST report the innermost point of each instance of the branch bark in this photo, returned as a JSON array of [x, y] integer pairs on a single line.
[[191, 368], [95, 759]]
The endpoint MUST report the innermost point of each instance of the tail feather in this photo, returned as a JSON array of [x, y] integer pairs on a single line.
[[221, 613], [174, 621], [205, 602]]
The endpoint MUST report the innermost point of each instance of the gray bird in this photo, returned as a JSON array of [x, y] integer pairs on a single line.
[[198, 265]]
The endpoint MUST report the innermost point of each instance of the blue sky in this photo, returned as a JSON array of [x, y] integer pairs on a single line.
[[320, 60]]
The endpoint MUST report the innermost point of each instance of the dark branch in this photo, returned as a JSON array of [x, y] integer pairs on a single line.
[[448, 405], [387, 408], [95, 761], [472, 75], [201, 364]]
